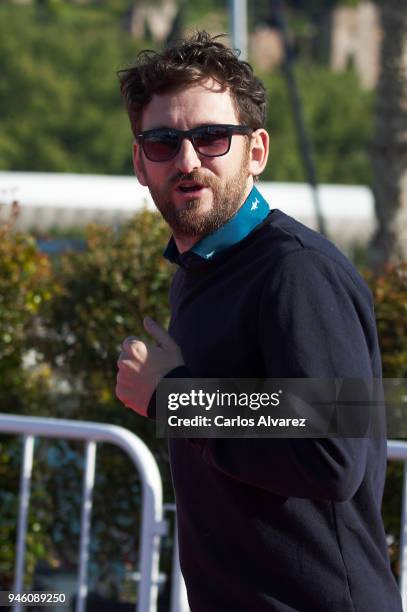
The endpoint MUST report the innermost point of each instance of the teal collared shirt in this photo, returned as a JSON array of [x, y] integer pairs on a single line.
[[254, 210]]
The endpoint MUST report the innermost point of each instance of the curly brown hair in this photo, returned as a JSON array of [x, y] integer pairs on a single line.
[[190, 61]]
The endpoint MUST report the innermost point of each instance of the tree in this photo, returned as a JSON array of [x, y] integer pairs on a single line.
[[59, 95], [341, 147], [26, 287], [389, 151]]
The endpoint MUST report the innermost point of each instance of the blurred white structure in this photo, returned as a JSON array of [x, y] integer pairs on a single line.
[[356, 39], [69, 200]]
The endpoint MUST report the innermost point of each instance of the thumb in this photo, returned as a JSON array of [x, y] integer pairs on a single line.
[[159, 334]]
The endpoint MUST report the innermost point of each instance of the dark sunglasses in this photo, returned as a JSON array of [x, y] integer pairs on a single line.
[[163, 144]]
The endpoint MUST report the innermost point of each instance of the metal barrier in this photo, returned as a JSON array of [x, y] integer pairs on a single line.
[[398, 451], [152, 524]]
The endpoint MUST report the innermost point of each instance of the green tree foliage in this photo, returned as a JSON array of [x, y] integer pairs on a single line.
[[307, 11], [59, 97], [26, 287], [103, 295], [390, 295], [316, 7], [62, 110], [390, 298], [338, 116]]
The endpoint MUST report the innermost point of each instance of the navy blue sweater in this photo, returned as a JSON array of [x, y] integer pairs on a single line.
[[279, 525]]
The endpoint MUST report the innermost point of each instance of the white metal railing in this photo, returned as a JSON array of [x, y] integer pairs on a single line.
[[397, 450], [152, 524]]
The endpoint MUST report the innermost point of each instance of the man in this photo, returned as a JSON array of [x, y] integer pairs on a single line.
[[264, 524]]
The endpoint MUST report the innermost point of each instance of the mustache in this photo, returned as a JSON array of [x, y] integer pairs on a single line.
[[195, 175]]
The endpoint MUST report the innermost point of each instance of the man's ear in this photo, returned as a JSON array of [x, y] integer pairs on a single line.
[[138, 164], [259, 152]]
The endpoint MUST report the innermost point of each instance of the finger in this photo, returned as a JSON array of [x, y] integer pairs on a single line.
[[123, 357], [159, 334], [127, 342], [121, 362], [135, 348], [128, 369]]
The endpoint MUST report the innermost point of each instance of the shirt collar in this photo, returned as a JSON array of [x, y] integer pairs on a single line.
[[252, 212]]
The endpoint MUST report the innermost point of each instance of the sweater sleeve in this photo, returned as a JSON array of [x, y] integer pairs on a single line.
[[315, 320]]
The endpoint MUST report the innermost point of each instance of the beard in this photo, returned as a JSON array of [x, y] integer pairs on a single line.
[[227, 197]]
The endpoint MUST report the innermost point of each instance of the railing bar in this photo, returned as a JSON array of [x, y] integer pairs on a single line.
[[149, 555], [403, 541], [24, 497], [87, 491], [179, 599], [151, 527]]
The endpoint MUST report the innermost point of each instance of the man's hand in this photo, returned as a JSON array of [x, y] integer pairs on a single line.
[[141, 366]]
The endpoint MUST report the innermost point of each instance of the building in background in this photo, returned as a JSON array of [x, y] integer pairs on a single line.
[[355, 40], [343, 37]]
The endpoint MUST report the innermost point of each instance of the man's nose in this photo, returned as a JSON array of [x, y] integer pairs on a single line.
[[187, 158]]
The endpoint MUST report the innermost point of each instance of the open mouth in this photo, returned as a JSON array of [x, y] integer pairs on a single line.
[[190, 187], [187, 189]]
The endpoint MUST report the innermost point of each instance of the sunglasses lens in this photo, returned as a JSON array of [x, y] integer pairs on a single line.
[[160, 146], [163, 144], [211, 140]]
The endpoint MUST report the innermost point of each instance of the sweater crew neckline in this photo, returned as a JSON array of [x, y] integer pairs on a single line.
[[251, 215]]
